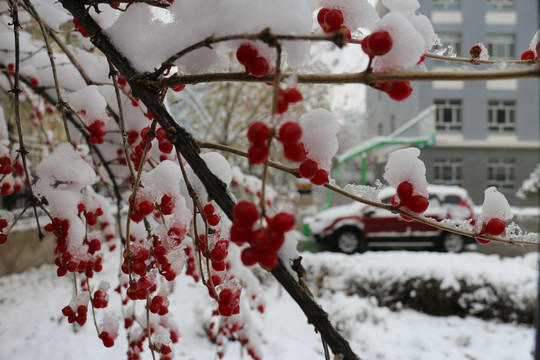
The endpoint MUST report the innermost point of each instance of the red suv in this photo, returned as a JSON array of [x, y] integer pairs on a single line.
[[355, 227]]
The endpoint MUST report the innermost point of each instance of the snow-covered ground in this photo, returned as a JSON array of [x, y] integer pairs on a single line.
[[32, 326]]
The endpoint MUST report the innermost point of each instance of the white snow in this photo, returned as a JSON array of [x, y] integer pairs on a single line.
[[33, 326], [404, 165]]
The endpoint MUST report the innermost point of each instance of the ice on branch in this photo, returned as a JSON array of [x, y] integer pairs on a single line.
[[404, 165]]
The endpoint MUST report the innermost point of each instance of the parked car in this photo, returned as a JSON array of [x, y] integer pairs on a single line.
[[356, 226]]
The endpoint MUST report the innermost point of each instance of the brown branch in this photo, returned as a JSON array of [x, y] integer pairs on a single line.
[[392, 208], [265, 36], [353, 78]]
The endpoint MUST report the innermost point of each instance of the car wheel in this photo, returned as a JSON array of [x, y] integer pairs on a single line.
[[349, 241], [452, 242]]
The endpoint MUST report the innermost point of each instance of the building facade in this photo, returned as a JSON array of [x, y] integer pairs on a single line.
[[487, 132]]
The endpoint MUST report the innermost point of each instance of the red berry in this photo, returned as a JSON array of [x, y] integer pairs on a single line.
[[308, 168], [11, 69], [268, 260], [245, 213], [475, 51], [320, 16], [379, 43], [495, 227], [240, 234], [258, 133], [282, 103], [33, 81], [246, 53], [482, 241], [282, 222], [259, 239], [320, 178], [528, 55], [258, 154], [399, 90], [333, 20], [292, 95], [249, 256], [404, 191], [146, 207], [417, 204], [294, 152], [258, 67], [290, 132], [179, 88]]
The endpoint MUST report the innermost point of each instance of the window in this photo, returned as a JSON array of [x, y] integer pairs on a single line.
[[501, 173], [500, 5], [501, 115], [448, 114], [447, 171], [446, 4], [501, 46]]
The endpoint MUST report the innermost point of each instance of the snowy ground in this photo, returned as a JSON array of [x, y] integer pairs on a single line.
[[32, 327]]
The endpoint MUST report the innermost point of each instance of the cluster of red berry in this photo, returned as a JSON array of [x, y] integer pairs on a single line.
[[5, 165], [405, 199], [258, 135], [77, 310], [289, 136], [286, 97], [229, 301], [100, 300], [136, 259], [140, 208], [159, 305], [309, 169], [3, 229], [97, 131], [256, 65], [210, 215], [494, 227], [108, 339], [165, 145], [264, 241], [332, 20], [65, 260], [397, 90]]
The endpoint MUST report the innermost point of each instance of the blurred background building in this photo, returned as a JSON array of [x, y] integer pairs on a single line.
[[487, 132]]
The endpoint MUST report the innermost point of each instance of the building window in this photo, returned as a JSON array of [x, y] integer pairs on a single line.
[[501, 115], [446, 4], [448, 171], [501, 46], [500, 5], [501, 173], [448, 114]]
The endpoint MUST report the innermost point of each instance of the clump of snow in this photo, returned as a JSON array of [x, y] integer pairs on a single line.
[[495, 206], [407, 47], [89, 101], [404, 165], [319, 130], [356, 14], [534, 41]]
